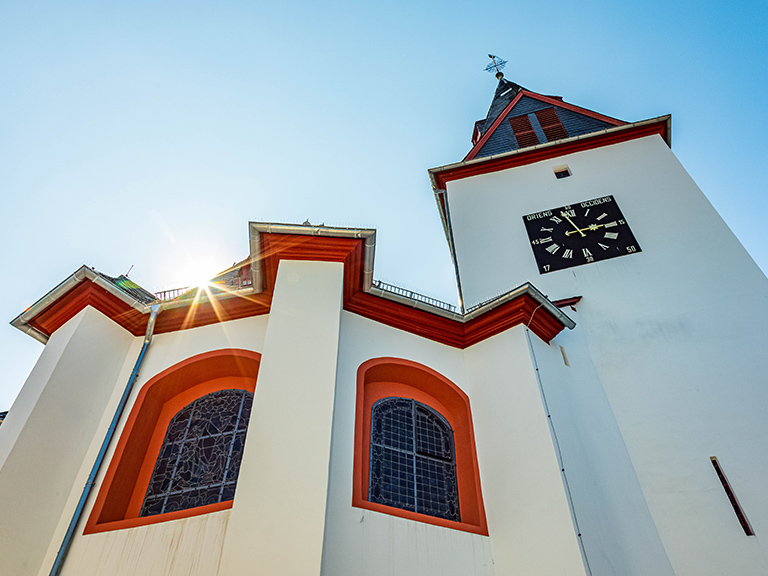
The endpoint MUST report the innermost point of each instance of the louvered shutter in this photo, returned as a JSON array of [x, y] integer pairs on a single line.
[[551, 125], [524, 133]]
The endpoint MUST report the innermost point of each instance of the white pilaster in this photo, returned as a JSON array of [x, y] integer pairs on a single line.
[[59, 411], [278, 518]]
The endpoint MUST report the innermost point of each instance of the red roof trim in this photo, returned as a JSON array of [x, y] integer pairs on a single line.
[[546, 99], [499, 119], [540, 153], [574, 108], [276, 247]]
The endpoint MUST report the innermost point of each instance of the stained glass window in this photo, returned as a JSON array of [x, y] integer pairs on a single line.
[[200, 458], [412, 463]]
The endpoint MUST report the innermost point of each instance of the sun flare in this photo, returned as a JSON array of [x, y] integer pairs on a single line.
[[197, 273]]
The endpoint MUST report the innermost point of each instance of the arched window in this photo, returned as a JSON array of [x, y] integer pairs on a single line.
[[414, 447], [180, 449], [200, 456], [412, 462]]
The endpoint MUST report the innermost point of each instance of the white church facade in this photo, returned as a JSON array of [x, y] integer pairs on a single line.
[[594, 406]]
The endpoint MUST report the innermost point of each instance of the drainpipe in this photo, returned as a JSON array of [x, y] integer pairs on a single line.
[[67, 542]]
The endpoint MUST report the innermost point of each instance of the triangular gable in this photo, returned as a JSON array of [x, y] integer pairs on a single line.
[[500, 136]]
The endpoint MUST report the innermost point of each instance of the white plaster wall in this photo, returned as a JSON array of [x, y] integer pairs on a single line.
[[681, 235], [676, 334], [194, 542], [33, 386], [61, 407], [278, 518], [529, 518], [187, 547], [616, 526], [361, 541], [171, 348]]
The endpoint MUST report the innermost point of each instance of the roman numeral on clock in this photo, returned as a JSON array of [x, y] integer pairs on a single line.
[[553, 248]]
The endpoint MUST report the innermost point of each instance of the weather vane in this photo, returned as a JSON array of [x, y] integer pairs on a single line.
[[497, 65]]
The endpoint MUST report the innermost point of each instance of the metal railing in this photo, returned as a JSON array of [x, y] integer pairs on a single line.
[[387, 287], [171, 294], [380, 284], [235, 283]]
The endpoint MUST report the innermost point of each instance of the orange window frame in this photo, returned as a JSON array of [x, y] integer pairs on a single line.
[[386, 377], [125, 483]]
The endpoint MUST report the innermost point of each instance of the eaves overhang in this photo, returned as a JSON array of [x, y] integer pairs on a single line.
[[270, 243], [440, 176], [256, 229], [26, 320]]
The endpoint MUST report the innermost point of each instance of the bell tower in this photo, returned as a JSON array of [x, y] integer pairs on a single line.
[[670, 312]]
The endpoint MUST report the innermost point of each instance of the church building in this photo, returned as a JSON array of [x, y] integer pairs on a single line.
[[594, 406]]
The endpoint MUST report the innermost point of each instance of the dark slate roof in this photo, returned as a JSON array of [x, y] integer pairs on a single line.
[[574, 120], [503, 139], [504, 94], [129, 287]]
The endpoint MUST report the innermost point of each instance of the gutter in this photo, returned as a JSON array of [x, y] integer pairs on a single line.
[[667, 119], [67, 542], [257, 228], [83, 273], [525, 289]]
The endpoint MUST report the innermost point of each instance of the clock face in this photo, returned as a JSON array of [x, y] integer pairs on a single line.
[[578, 234]]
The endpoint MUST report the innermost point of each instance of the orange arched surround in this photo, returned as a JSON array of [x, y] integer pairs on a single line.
[[122, 492], [382, 377]]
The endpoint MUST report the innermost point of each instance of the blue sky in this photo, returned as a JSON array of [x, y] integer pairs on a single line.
[[148, 134]]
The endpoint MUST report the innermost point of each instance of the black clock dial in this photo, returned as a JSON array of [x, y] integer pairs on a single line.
[[579, 234]]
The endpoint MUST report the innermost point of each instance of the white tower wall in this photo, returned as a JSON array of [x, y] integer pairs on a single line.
[[675, 335]]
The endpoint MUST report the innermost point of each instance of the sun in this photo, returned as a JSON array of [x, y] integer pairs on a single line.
[[197, 272]]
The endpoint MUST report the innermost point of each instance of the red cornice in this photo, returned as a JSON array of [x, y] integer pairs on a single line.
[[276, 247], [540, 153], [87, 293], [547, 100]]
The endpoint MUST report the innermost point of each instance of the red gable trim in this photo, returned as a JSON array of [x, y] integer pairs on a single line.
[[88, 293], [276, 247], [499, 119], [546, 99], [547, 152]]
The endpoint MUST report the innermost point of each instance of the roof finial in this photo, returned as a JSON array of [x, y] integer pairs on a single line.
[[497, 65]]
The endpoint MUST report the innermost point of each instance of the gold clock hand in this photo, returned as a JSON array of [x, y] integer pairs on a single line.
[[564, 215], [591, 228]]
